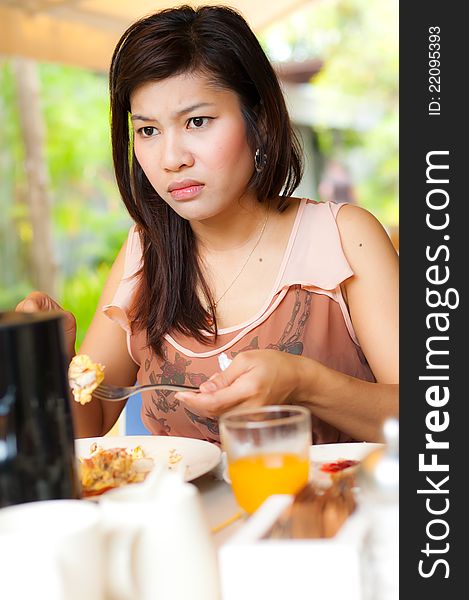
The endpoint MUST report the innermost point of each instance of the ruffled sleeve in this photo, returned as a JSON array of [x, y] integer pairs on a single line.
[[316, 259], [118, 308]]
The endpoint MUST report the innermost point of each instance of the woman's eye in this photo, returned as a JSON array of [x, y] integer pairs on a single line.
[[147, 131], [197, 122]]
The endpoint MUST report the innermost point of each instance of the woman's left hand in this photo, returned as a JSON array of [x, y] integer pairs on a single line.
[[254, 378]]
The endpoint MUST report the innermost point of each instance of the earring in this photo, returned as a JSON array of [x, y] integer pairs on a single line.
[[259, 160]]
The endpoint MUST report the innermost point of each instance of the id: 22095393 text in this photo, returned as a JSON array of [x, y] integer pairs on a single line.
[[434, 80]]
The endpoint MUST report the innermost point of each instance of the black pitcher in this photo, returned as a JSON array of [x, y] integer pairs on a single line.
[[37, 457]]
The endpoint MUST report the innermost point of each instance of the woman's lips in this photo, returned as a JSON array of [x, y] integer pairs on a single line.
[[186, 193]]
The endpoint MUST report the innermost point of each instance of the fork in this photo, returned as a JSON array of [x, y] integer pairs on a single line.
[[115, 393]]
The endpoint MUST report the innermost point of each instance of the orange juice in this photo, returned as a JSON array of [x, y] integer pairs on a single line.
[[256, 477]]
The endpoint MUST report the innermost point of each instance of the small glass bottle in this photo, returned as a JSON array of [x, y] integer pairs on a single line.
[[379, 497]]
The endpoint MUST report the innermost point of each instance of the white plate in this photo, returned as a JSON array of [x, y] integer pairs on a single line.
[[327, 453], [348, 451], [198, 456], [324, 453]]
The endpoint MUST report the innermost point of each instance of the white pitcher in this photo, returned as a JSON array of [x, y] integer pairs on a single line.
[[51, 550], [158, 542]]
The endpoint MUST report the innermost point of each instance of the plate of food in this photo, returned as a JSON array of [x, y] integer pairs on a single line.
[[332, 461], [112, 461]]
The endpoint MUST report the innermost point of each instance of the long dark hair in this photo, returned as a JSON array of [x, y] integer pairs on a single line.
[[215, 41]]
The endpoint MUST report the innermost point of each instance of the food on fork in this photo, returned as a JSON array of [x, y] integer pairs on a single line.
[[84, 376]]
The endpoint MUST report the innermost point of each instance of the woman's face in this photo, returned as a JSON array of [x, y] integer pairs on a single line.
[[190, 140]]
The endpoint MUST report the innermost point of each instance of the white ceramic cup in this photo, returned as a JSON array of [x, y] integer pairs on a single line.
[[158, 544], [51, 550]]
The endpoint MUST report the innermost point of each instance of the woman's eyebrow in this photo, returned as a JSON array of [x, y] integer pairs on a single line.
[[183, 111], [138, 117], [179, 113]]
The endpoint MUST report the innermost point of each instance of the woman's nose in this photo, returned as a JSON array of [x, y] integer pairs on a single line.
[[175, 154]]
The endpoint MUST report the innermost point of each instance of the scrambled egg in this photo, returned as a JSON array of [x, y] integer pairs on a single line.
[[174, 457], [106, 469], [84, 377]]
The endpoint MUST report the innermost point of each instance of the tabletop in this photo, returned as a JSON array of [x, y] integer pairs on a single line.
[[219, 504]]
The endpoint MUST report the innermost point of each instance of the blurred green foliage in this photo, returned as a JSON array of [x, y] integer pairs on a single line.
[[80, 293], [13, 256], [357, 40], [89, 220]]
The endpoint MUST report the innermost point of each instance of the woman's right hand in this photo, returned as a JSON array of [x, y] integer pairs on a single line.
[[41, 302]]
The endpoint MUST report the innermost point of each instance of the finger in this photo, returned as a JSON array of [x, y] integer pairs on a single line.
[[40, 302], [215, 403], [37, 301], [28, 304], [238, 367], [70, 323], [195, 404], [215, 382]]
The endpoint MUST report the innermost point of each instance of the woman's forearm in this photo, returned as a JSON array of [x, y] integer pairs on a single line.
[[352, 405]]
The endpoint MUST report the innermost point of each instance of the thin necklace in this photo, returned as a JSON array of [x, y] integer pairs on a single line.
[[216, 302]]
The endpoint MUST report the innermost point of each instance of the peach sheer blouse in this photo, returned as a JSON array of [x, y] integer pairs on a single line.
[[305, 313]]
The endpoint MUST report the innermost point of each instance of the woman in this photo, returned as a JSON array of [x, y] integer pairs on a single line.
[[221, 258]]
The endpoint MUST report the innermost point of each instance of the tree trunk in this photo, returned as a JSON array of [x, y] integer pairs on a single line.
[[44, 267]]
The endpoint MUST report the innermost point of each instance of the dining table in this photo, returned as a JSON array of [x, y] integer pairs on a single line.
[[286, 568], [280, 567], [220, 507], [279, 570]]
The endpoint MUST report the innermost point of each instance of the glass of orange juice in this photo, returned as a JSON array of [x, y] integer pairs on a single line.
[[267, 451]]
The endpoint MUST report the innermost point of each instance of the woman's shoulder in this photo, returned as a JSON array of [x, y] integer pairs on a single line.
[[315, 209], [352, 226], [359, 228], [349, 218], [132, 252], [312, 223], [122, 282], [356, 216], [315, 217], [315, 256]]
